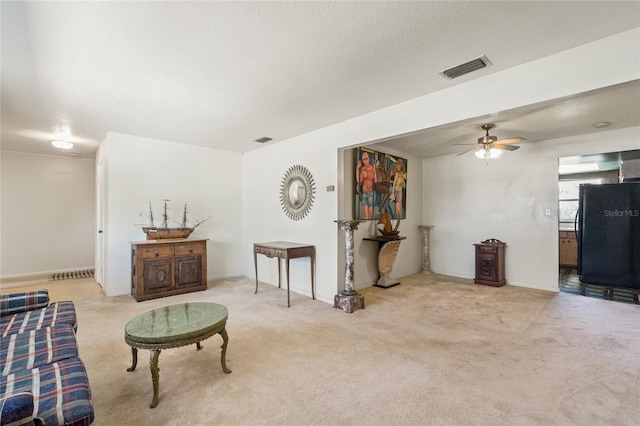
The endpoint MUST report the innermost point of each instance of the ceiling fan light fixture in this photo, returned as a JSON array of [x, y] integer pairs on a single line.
[[489, 147], [482, 153], [487, 153], [62, 144]]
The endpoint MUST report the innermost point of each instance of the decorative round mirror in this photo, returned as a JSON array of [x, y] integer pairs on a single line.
[[296, 192]]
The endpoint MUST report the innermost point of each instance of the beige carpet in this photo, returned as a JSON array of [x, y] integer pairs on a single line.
[[433, 351]]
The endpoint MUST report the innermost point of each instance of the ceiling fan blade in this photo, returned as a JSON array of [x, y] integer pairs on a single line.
[[511, 140], [506, 147]]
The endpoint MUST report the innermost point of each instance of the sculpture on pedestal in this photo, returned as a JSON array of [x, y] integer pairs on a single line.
[[348, 300], [387, 230]]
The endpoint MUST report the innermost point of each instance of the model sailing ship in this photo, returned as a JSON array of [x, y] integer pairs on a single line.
[[164, 232]]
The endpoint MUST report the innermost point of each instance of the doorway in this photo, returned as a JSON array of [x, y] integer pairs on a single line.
[[574, 171]]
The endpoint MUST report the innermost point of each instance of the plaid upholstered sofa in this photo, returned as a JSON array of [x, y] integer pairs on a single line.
[[42, 379]]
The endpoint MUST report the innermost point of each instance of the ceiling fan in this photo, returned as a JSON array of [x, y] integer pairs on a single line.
[[489, 147]]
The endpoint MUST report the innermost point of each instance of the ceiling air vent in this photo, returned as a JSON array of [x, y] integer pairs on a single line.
[[630, 170], [466, 68], [263, 139]]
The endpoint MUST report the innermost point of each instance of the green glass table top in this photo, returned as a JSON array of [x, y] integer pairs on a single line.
[[176, 322]]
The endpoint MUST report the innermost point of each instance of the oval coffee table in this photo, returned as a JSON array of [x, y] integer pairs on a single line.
[[174, 326]]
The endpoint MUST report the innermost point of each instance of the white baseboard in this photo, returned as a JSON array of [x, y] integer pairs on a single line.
[[19, 280]]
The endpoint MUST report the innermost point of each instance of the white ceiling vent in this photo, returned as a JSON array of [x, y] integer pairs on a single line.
[[466, 68], [263, 139]]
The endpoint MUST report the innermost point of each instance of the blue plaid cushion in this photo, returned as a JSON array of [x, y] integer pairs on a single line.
[[60, 391], [25, 301], [35, 348], [17, 410], [55, 313]]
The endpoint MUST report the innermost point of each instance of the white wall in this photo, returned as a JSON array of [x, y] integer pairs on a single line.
[[264, 220], [468, 201], [140, 170], [47, 214], [606, 62]]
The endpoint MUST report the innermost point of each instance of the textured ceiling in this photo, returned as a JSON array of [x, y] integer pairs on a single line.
[[221, 74]]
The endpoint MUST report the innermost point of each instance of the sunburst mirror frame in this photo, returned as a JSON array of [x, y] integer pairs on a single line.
[[297, 192]]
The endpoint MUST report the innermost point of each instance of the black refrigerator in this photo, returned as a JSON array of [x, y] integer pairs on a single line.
[[608, 232]]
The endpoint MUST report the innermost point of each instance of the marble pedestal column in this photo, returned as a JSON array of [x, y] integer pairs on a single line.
[[426, 259], [348, 300]]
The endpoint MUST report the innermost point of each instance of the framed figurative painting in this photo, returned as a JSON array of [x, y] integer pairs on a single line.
[[381, 185]]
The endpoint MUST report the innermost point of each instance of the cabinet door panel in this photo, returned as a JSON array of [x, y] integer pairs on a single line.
[[486, 267], [572, 245], [568, 250], [188, 271], [157, 275]]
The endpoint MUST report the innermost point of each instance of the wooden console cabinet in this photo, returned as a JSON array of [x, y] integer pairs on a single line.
[[167, 267], [490, 263]]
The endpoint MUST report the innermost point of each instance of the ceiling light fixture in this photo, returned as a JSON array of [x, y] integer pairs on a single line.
[[487, 153], [62, 144], [601, 124]]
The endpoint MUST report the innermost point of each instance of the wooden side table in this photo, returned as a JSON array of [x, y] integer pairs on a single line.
[[490, 263], [285, 250]]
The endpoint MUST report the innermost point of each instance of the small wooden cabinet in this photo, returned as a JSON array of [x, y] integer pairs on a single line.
[[568, 249], [490, 263], [167, 267]]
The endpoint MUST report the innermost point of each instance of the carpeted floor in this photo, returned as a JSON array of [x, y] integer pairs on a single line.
[[434, 350], [569, 282]]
